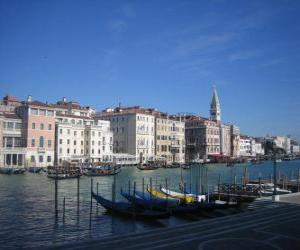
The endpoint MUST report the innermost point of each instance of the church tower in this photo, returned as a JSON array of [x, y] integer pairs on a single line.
[[215, 108]]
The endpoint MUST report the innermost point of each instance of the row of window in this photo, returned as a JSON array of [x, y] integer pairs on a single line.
[[213, 149], [41, 143], [81, 151], [41, 158], [87, 133], [42, 126], [81, 142], [12, 125], [42, 112]]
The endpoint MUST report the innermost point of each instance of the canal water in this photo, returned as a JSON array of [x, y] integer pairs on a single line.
[[27, 207]]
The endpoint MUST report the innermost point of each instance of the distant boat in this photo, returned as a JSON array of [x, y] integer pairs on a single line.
[[66, 172], [12, 170], [186, 166], [102, 171], [146, 166], [128, 209], [278, 160], [35, 170]]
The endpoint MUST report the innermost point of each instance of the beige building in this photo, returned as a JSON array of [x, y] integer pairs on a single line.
[[202, 138], [169, 138], [133, 130], [225, 140], [235, 141]]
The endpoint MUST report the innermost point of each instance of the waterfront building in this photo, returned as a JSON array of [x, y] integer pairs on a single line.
[[202, 138], [295, 149], [225, 140], [38, 132], [147, 134], [235, 141], [1, 139], [83, 139], [169, 138], [13, 149], [257, 148], [283, 142], [133, 130], [245, 146]]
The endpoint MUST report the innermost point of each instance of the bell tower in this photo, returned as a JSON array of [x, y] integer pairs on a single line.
[[215, 108]]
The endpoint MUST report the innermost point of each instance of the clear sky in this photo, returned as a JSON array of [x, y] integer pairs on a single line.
[[163, 54]]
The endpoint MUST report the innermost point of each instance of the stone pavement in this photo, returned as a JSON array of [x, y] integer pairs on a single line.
[[264, 225]]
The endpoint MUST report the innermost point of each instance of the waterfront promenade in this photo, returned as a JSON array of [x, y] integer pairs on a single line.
[[264, 225]]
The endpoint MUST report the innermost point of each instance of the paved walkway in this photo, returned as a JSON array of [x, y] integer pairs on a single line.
[[265, 225]]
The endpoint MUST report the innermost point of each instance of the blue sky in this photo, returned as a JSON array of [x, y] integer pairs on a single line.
[[162, 54]]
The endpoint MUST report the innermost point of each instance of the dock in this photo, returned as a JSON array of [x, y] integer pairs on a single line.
[[263, 225]]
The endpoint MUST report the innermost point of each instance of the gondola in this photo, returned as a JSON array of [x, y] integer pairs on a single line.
[[167, 204], [129, 210], [183, 199], [187, 196], [102, 171], [146, 201], [147, 167], [35, 170]]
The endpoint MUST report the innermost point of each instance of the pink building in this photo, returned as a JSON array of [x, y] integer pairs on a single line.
[[38, 132]]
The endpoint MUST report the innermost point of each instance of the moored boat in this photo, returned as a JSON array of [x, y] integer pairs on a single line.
[[12, 170], [35, 170], [189, 198], [128, 209]]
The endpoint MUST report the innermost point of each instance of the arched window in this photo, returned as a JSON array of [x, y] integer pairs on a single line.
[[41, 141]]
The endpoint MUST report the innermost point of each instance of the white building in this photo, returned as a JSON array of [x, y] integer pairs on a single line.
[[295, 149], [13, 150], [256, 148], [283, 142], [83, 139], [245, 146]]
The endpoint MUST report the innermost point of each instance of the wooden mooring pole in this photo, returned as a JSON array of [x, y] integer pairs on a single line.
[[64, 209], [91, 205], [56, 197]]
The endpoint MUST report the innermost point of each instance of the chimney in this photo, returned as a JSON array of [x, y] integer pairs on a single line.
[[29, 98], [64, 99]]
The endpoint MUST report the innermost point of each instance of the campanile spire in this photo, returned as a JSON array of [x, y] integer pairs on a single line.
[[215, 108]]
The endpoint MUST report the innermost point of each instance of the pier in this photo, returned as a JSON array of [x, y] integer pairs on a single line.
[[264, 225]]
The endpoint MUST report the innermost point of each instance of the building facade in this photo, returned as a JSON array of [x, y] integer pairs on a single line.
[[133, 130], [225, 140], [202, 138], [169, 138], [38, 132], [13, 148], [146, 134], [235, 141], [83, 139], [283, 142]]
